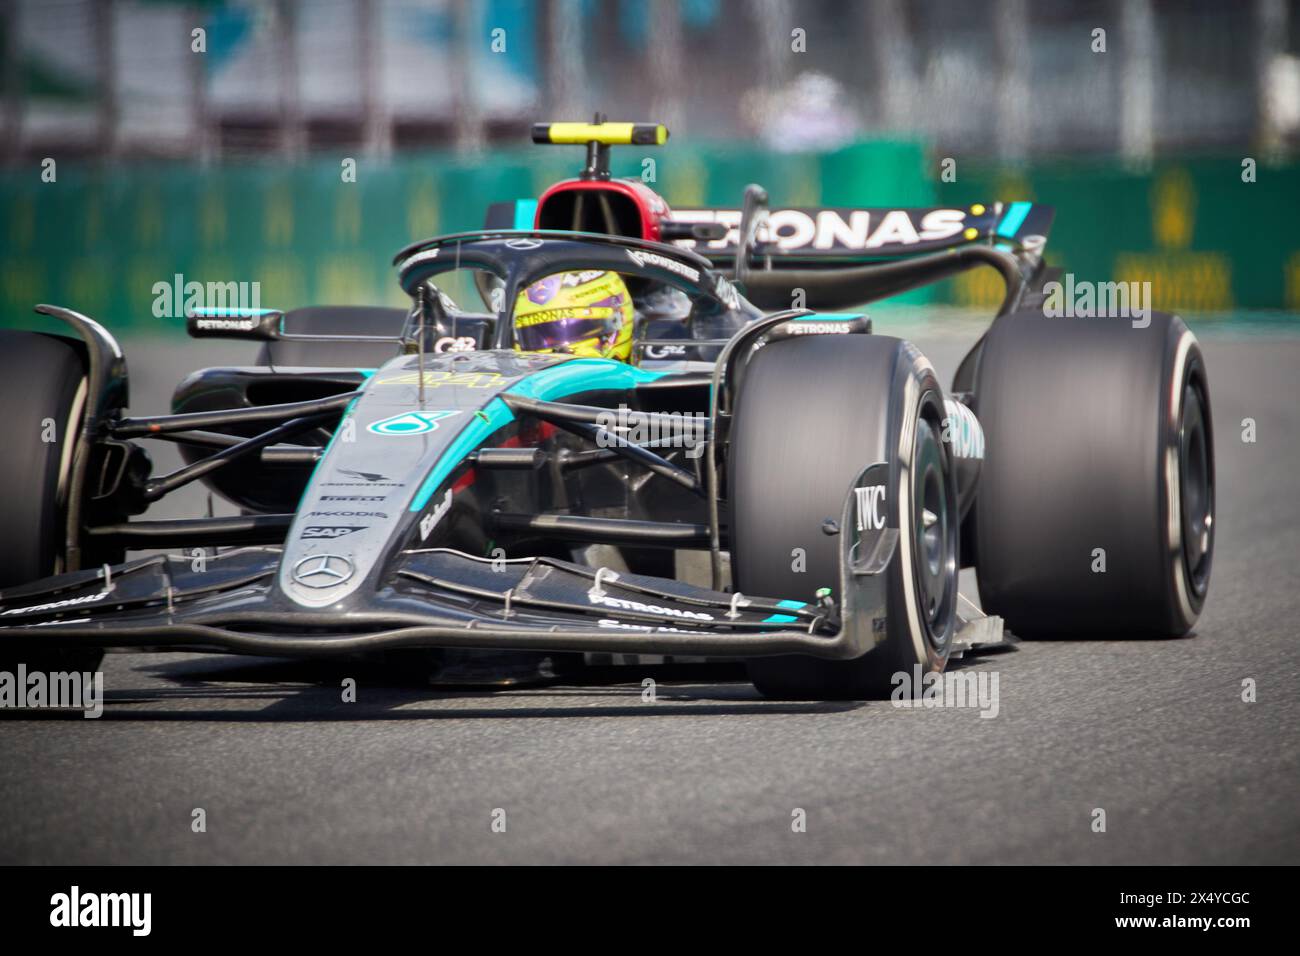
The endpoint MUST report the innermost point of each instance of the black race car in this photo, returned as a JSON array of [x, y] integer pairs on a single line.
[[782, 487]]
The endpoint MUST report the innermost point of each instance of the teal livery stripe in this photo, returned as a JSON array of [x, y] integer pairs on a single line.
[[366, 374], [580, 375], [495, 414], [525, 213], [1014, 219], [557, 381], [311, 479], [830, 317], [785, 618]]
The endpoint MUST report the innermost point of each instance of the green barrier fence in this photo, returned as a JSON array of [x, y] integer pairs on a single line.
[[120, 244], [1206, 240]]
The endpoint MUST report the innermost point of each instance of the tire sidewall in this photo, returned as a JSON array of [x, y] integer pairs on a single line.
[[1186, 367], [908, 642]]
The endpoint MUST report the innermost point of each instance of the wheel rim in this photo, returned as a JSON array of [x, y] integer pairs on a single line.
[[1196, 487], [934, 559]]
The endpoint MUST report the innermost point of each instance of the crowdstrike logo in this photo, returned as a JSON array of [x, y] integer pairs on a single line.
[[663, 262]]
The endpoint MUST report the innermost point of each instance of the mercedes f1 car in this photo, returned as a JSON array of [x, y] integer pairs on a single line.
[[755, 481]]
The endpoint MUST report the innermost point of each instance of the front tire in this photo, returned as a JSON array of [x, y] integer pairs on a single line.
[[810, 415], [43, 391]]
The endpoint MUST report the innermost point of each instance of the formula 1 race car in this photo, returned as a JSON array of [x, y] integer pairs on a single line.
[[783, 487]]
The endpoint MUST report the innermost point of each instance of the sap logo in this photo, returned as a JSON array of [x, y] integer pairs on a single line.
[[329, 531], [871, 500], [430, 521], [408, 423]]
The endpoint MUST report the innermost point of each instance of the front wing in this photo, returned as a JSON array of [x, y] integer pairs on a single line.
[[433, 598]]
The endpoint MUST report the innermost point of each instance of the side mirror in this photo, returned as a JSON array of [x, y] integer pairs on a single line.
[[257, 325], [670, 231], [752, 215]]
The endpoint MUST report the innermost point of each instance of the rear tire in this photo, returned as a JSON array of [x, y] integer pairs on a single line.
[[1098, 454], [43, 391], [810, 415]]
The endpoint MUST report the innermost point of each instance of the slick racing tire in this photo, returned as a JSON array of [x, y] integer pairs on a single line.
[[43, 391], [811, 414], [1095, 512], [335, 320]]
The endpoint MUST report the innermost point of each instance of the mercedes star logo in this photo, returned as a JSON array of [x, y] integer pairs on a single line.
[[522, 244], [322, 570]]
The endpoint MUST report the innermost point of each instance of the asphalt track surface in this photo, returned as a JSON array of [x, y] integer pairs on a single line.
[[1153, 732]]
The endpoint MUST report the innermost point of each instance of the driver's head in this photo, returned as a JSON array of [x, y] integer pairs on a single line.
[[579, 313]]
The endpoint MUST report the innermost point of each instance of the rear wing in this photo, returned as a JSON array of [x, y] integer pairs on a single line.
[[832, 258], [834, 234], [810, 234], [843, 257]]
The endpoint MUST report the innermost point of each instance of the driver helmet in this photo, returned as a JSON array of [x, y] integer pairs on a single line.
[[585, 313]]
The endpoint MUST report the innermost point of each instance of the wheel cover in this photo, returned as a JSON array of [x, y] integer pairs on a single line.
[[1196, 487], [934, 537]]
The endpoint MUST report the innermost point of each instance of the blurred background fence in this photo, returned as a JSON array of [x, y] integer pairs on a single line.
[[149, 138]]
